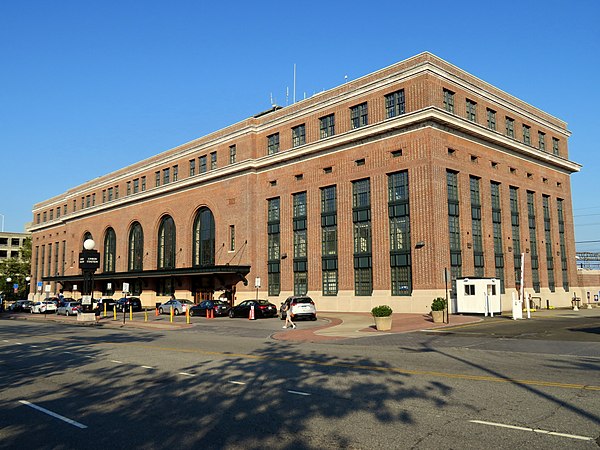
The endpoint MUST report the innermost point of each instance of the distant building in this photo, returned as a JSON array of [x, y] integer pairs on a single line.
[[373, 192], [11, 243]]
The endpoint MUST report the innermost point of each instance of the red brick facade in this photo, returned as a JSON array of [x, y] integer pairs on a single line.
[[426, 140]]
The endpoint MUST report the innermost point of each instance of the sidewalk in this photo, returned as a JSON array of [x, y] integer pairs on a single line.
[[356, 325]]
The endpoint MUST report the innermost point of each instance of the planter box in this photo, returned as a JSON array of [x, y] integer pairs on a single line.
[[438, 316], [383, 323]]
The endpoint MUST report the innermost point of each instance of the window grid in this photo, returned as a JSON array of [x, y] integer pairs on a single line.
[[535, 275], [497, 230], [563, 245], [232, 154], [202, 164], [213, 160], [273, 144], [510, 127], [399, 222], [476, 227], [359, 116], [298, 135], [516, 231], [526, 135], [394, 104], [548, 239], [448, 100], [361, 216], [471, 110], [273, 246], [454, 226], [327, 126], [541, 141], [491, 119], [329, 244]]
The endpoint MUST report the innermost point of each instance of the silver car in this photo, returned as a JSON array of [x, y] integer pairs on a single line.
[[69, 308], [178, 306]]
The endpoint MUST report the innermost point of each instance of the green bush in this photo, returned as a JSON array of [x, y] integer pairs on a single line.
[[438, 304], [381, 311]]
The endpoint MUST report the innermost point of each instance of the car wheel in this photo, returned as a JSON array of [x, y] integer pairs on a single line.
[[313, 318], [160, 310], [176, 312], [231, 313]]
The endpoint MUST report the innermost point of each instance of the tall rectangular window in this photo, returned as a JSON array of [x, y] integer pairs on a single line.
[[175, 172], [300, 244], [526, 135], [359, 115], [202, 164], [541, 141], [491, 119], [272, 144], [49, 260], [327, 126], [273, 246], [64, 258], [399, 221], [454, 225], [516, 231], [563, 245], [535, 274], [361, 218], [128, 191], [329, 241], [192, 167], [166, 176], [497, 227], [471, 110], [394, 104], [555, 149], [143, 183], [231, 238], [110, 194], [157, 178], [136, 185], [548, 239], [510, 127], [213, 160], [232, 154], [448, 100], [298, 135], [58, 212], [476, 227]]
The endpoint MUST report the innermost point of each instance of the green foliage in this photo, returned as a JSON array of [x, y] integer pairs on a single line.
[[438, 304], [16, 269], [381, 311]]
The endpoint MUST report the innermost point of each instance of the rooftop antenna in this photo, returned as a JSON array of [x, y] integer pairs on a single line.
[[287, 95], [345, 78]]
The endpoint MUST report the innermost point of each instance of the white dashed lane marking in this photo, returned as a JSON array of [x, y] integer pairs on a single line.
[[534, 430], [186, 374], [299, 393], [53, 414], [147, 367], [237, 382], [116, 361]]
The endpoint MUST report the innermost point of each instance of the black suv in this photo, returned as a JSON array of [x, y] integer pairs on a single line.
[[109, 302], [125, 302]]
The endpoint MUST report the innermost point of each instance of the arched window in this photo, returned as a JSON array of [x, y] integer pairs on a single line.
[[204, 238], [136, 248], [110, 250], [166, 243]]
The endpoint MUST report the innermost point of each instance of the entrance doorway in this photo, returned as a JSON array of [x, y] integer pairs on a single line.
[[200, 296]]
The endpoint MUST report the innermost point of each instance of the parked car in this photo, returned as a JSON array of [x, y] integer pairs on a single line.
[[109, 302], [178, 306], [19, 305], [125, 302], [43, 307], [69, 308], [299, 307], [219, 307], [262, 308]]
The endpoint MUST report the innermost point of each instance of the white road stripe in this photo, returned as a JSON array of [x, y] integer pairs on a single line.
[[185, 373], [116, 361], [34, 346], [299, 393], [147, 367], [87, 356], [553, 433], [237, 382], [50, 413], [4, 340], [19, 343]]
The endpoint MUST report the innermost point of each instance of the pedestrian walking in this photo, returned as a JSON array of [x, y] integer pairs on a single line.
[[288, 316]]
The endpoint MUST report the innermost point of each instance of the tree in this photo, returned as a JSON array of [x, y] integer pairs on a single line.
[[17, 269]]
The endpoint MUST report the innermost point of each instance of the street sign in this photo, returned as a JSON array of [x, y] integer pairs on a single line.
[[125, 287], [257, 282], [74, 287], [86, 299], [47, 288]]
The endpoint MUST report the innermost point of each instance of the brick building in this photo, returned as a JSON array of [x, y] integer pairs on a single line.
[[360, 195]]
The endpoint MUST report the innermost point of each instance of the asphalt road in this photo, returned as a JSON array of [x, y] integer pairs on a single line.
[[233, 387]]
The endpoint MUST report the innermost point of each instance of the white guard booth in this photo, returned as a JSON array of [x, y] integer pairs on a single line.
[[478, 296]]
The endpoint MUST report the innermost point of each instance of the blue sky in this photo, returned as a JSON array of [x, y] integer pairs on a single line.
[[89, 87]]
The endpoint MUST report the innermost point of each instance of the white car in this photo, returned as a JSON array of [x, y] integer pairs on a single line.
[[43, 307], [178, 306], [300, 306]]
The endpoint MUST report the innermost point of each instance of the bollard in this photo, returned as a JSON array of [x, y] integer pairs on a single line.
[[187, 315], [156, 312], [130, 313], [172, 312], [145, 315], [114, 312], [104, 309]]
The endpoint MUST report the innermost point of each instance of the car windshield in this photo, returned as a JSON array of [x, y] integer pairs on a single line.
[[187, 302], [303, 300], [263, 302]]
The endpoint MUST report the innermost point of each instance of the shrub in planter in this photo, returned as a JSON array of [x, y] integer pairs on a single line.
[[383, 317], [381, 311], [438, 304]]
